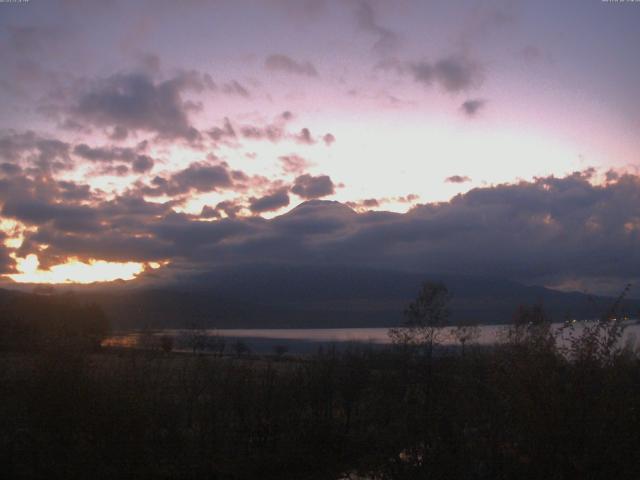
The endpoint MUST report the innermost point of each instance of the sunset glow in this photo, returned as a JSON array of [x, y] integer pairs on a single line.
[[404, 132], [74, 271]]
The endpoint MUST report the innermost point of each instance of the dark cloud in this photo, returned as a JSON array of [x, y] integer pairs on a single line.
[[198, 177], [549, 230], [286, 64], [273, 131], [116, 170], [225, 132], [472, 107], [454, 74], [229, 208], [10, 168], [7, 264], [119, 133], [270, 202], [34, 151], [457, 179], [386, 40], [140, 163], [135, 102], [64, 217], [612, 175], [74, 192], [307, 186]]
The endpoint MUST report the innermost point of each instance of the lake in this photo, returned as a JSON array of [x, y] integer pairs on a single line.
[[307, 340]]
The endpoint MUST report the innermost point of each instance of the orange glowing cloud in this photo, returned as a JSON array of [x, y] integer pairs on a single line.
[[75, 271]]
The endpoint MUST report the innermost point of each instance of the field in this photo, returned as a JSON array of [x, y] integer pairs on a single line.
[[514, 410]]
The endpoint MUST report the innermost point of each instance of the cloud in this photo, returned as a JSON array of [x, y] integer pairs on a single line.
[[412, 197], [365, 204], [293, 163], [7, 264], [472, 107], [197, 177], [371, 203], [272, 132], [328, 139], [270, 202], [229, 208], [222, 133], [235, 88], [454, 73], [307, 186], [283, 63], [37, 152], [387, 40], [64, 217], [140, 163], [304, 137], [136, 102], [549, 230], [457, 179]]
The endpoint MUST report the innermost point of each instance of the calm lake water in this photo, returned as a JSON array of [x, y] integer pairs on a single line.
[[305, 340]]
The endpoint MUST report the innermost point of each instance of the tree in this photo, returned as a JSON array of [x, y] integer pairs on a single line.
[[465, 332], [597, 341], [531, 328], [425, 317], [198, 337]]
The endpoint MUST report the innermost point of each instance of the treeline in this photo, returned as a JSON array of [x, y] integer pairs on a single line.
[[520, 409], [31, 323]]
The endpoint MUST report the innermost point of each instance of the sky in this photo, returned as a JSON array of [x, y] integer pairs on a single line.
[[144, 140]]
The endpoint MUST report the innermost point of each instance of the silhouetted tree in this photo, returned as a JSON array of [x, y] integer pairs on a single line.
[[197, 338], [465, 332], [425, 317], [531, 327]]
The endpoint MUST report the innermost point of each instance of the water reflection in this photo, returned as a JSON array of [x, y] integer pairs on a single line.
[[306, 340]]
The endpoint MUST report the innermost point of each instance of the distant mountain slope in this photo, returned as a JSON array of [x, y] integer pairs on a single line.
[[280, 296]]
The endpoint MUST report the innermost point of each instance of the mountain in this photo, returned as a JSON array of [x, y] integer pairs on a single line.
[[266, 296]]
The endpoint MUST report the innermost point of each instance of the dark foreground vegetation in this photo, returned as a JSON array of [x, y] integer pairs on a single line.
[[524, 408]]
